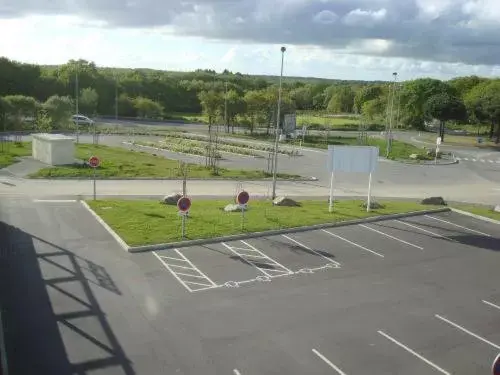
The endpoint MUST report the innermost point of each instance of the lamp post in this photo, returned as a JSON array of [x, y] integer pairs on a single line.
[[76, 104], [276, 139], [389, 131]]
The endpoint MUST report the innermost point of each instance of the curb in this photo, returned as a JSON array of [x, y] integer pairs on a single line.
[[204, 241], [118, 239], [479, 217]]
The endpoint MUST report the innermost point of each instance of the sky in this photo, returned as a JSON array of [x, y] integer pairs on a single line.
[[340, 39]]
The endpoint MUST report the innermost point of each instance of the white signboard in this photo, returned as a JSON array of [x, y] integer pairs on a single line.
[[438, 141], [289, 123], [352, 159]]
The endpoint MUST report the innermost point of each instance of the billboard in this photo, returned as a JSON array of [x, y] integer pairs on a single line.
[[352, 159]]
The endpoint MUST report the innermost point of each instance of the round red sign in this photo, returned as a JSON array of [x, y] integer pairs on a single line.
[[496, 366], [184, 204], [243, 197], [94, 162]]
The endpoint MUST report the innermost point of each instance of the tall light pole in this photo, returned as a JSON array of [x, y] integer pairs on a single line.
[[389, 132], [276, 139], [76, 104], [116, 98], [226, 125]]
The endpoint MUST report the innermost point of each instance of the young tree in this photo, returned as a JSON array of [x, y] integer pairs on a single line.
[[22, 109], [445, 107], [236, 105], [212, 103], [342, 100], [43, 122], [60, 109], [88, 101], [147, 108], [483, 102], [256, 104]]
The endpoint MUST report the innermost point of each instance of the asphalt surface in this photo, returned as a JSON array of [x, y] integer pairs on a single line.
[[415, 298]]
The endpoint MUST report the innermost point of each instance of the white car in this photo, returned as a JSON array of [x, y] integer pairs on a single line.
[[82, 120]]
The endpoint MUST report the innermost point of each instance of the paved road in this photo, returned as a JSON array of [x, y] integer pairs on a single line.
[[394, 297]]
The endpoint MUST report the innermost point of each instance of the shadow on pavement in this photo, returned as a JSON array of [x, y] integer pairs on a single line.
[[33, 330]]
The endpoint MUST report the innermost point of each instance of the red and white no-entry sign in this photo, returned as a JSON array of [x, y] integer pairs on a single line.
[[242, 198], [184, 204], [94, 161]]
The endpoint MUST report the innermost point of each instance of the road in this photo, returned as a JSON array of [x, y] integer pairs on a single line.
[[416, 296]]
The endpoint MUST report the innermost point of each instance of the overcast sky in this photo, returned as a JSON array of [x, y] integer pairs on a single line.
[[345, 39]]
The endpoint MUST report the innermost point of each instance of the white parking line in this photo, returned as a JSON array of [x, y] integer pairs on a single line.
[[328, 362], [198, 286], [312, 250], [468, 332], [425, 230], [282, 269], [236, 372], [414, 353], [388, 235], [491, 304], [458, 226], [55, 200], [352, 243]]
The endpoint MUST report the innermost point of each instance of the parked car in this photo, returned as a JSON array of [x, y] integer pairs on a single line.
[[82, 120]]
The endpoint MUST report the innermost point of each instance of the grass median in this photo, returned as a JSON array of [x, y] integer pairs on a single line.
[[150, 222], [117, 162], [477, 209], [9, 151]]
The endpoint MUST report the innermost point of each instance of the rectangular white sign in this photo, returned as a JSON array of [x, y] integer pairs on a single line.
[[352, 159]]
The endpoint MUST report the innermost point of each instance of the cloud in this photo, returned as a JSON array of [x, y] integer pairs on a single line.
[[455, 31]]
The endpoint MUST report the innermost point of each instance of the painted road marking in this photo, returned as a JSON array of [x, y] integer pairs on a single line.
[[312, 250], [55, 200], [388, 235], [281, 270], [458, 226], [436, 367], [425, 230], [352, 243], [236, 372], [328, 362], [468, 332], [184, 277], [491, 304]]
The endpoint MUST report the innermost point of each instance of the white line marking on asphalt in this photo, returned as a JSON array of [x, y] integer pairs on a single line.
[[268, 257], [187, 274], [171, 258], [308, 248], [491, 161], [196, 268], [55, 200], [425, 230], [183, 267], [195, 283], [458, 226], [236, 372], [491, 304], [172, 272], [466, 159], [388, 235], [414, 353], [353, 243], [483, 161], [474, 159], [328, 362], [467, 331]]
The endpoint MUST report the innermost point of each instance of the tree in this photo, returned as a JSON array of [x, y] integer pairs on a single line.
[[60, 109], [366, 94], [445, 107], [256, 104], [342, 101], [236, 105], [22, 110], [211, 103], [88, 100], [373, 108], [147, 108], [414, 96], [126, 106], [43, 122], [483, 102]]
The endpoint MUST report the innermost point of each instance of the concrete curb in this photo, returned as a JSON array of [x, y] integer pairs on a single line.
[[479, 217], [139, 249], [118, 239]]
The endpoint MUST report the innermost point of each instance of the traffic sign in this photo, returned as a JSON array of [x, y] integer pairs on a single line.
[[496, 366], [94, 161], [242, 198], [184, 204], [438, 141]]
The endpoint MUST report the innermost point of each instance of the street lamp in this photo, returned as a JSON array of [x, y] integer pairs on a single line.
[[76, 104], [389, 131], [276, 139]]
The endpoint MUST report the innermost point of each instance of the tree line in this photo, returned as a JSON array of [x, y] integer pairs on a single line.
[[53, 92]]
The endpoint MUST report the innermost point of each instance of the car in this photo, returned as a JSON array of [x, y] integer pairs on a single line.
[[82, 120]]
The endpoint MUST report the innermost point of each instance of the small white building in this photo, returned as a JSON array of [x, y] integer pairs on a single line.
[[53, 149]]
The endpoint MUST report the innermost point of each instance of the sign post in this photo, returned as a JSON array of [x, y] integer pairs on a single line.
[[94, 163], [242, 199], [438, 142], [183, 204]]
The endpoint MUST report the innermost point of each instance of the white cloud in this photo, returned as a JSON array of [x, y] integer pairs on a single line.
[[364, 17]]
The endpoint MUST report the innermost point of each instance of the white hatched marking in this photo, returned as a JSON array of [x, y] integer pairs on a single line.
[[414, 353], [314, 251], [388, 235], [183, 267], [268, 257], [194, 282], [425, 230], [468, 332], [187, 274], [352, 243], [456, 225], [474, 159]]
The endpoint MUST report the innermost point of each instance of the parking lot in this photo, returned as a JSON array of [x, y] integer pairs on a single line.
[[419, 295]]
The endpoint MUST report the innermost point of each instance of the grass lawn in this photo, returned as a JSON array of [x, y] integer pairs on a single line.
[[478, 210], [149, 222], [9, 151], [123, 163]]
